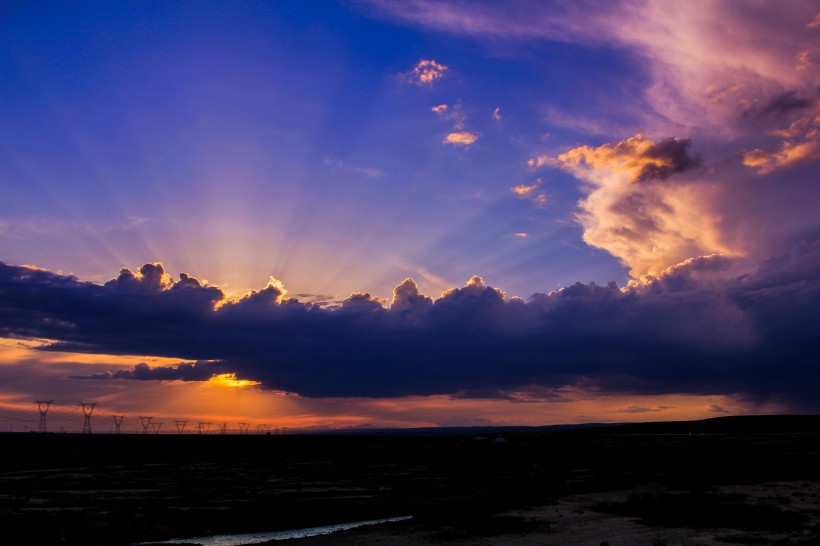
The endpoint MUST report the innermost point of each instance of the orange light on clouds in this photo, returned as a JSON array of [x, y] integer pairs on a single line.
[[229, 380]]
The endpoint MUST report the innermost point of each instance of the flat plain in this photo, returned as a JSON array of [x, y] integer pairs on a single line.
[[742, 480]]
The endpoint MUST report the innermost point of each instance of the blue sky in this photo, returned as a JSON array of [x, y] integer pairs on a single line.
[[321, 151], [241, 140]]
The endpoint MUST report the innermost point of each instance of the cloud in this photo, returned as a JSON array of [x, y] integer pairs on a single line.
[[197, 371], [692, 329], [643, 409], [715, 408], [801, 138], [633, 212], [461, 138], [340, 166], [452, 113], [497, 114], [529, 191], [525, 189], [637, 159], [427, 71], [752, 110]]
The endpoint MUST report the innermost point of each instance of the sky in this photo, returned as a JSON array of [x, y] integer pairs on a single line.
[[374, 213]]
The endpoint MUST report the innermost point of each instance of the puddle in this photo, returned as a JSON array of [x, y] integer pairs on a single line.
[[257, 538]]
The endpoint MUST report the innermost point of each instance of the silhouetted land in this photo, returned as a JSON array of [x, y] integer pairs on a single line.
[[106, 489]]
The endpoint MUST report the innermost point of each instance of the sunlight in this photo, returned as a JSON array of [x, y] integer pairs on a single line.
[[230, 381]]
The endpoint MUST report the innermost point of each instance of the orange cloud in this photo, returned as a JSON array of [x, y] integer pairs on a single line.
[[801, 144], [630, 211], [461, 138], [528, 191], [524, 189], [427, 71]]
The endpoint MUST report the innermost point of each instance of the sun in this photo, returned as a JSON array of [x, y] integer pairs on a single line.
[[229, 380]]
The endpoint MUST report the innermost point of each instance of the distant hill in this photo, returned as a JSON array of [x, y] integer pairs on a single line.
[[746, 424]]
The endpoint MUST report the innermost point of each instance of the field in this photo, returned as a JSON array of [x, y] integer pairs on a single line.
[[732, 481]]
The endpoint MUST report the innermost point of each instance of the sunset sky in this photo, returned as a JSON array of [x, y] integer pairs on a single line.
[[408, 213]]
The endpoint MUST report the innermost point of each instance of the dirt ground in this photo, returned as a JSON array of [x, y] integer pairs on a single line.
[[588, 520]]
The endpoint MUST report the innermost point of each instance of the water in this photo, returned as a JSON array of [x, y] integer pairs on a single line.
[[257, 538]]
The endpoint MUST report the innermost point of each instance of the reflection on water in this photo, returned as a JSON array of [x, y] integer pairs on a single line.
[[256, 538]]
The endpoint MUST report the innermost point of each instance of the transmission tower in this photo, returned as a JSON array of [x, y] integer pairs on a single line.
[[43, 406], [203, 428], [118, 419], [243, 428], [223, 428], [180, 423], [261, 429], [146, 422], [156, 425], [88, 409]]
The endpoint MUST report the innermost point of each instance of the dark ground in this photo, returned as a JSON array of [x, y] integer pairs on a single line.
[[107, 489]]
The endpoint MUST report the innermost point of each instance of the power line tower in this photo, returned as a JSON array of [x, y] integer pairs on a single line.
[[203, 428], [223, 428], [180, 423], [156, 425], [261, 429], [146, 422], [243, 428], [88, 409], [118, 419], [42, 406]]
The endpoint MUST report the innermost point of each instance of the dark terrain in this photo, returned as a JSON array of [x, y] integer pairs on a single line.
[[109, 489]]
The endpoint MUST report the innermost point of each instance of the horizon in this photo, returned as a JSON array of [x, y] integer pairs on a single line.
[[367, 213]]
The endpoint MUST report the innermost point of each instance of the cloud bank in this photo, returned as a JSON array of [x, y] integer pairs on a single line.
[[691, 329]]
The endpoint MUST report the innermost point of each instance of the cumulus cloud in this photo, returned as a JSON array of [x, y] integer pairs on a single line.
[[461, 138], [427, 71], [635, 159], [690, 329], [632, 211]]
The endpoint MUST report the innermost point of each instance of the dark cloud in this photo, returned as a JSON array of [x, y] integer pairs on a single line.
[[665, 158], [644, 409], [784, 103], [693, 329], [198, 371], [714, 408]]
